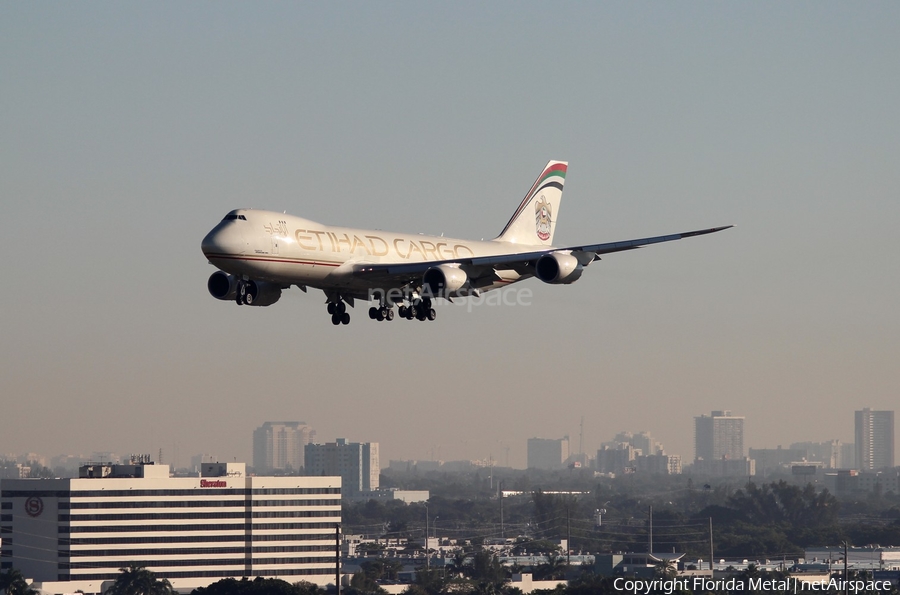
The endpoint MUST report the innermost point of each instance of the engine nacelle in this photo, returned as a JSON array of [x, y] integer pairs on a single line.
[[443, 280], [222, 286], [262, 293], [558, 268]]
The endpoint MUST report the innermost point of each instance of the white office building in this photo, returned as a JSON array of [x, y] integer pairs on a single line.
[[75, 534]]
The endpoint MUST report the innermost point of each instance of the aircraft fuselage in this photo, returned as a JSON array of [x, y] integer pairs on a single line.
[[281, 248]]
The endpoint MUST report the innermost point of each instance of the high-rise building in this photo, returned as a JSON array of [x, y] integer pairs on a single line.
[[719, 436], [279, 446], [544, 453], [357, 463], [76, 534], [874, 439], [615, 460]]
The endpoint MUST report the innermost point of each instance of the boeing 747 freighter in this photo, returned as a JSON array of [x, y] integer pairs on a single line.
[[261, 253]]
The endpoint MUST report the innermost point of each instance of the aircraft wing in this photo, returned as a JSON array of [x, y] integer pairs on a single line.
[[484, 266], [610, 247]]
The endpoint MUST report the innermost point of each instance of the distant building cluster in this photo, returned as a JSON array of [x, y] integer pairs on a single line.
[[627, 453], [857, 467], [638, 453], [421, 466], [287, 448], [719, 452], [281, 446]]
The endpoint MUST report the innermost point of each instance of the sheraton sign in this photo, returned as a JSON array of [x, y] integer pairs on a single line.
[[205, 483]]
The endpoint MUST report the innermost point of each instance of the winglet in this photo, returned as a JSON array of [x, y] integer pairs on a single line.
[[703, 232]]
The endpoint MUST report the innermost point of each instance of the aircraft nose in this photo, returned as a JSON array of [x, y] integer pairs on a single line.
[[221, 240]]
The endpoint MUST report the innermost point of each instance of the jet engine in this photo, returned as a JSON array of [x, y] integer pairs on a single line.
[[443, 280], [558, 268], [223, 286], [262, 293]]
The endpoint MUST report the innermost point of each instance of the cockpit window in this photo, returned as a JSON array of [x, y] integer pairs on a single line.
[[232, 217]]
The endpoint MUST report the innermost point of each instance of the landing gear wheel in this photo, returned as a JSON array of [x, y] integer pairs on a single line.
[[248, 299], [431, 314], [340, 308], [373, 312], [335, 319], [379, 316], [390, 315], [331, 308], [345, 318]]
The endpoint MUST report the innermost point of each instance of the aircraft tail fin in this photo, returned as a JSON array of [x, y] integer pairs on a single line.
[[534, 221]]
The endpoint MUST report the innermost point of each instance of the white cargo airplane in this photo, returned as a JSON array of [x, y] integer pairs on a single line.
[[259, 253]]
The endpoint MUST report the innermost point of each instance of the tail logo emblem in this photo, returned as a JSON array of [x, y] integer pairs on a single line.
[[542, 218]]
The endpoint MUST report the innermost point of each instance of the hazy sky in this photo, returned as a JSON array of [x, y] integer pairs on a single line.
[[127, 130]]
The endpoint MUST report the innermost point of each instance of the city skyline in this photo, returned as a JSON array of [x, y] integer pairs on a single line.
[[561, 447], [129, 129]]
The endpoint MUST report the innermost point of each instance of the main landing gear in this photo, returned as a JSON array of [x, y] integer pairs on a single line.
[[420, 309], [381, 313], [339, 314]]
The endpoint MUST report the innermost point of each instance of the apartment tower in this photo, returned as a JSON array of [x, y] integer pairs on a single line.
[[874, 439]]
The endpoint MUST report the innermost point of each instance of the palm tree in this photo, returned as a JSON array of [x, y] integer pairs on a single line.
[[751, 572], [665, 568], [13, 583], [555, 568], [459, 567], [137, 580]]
